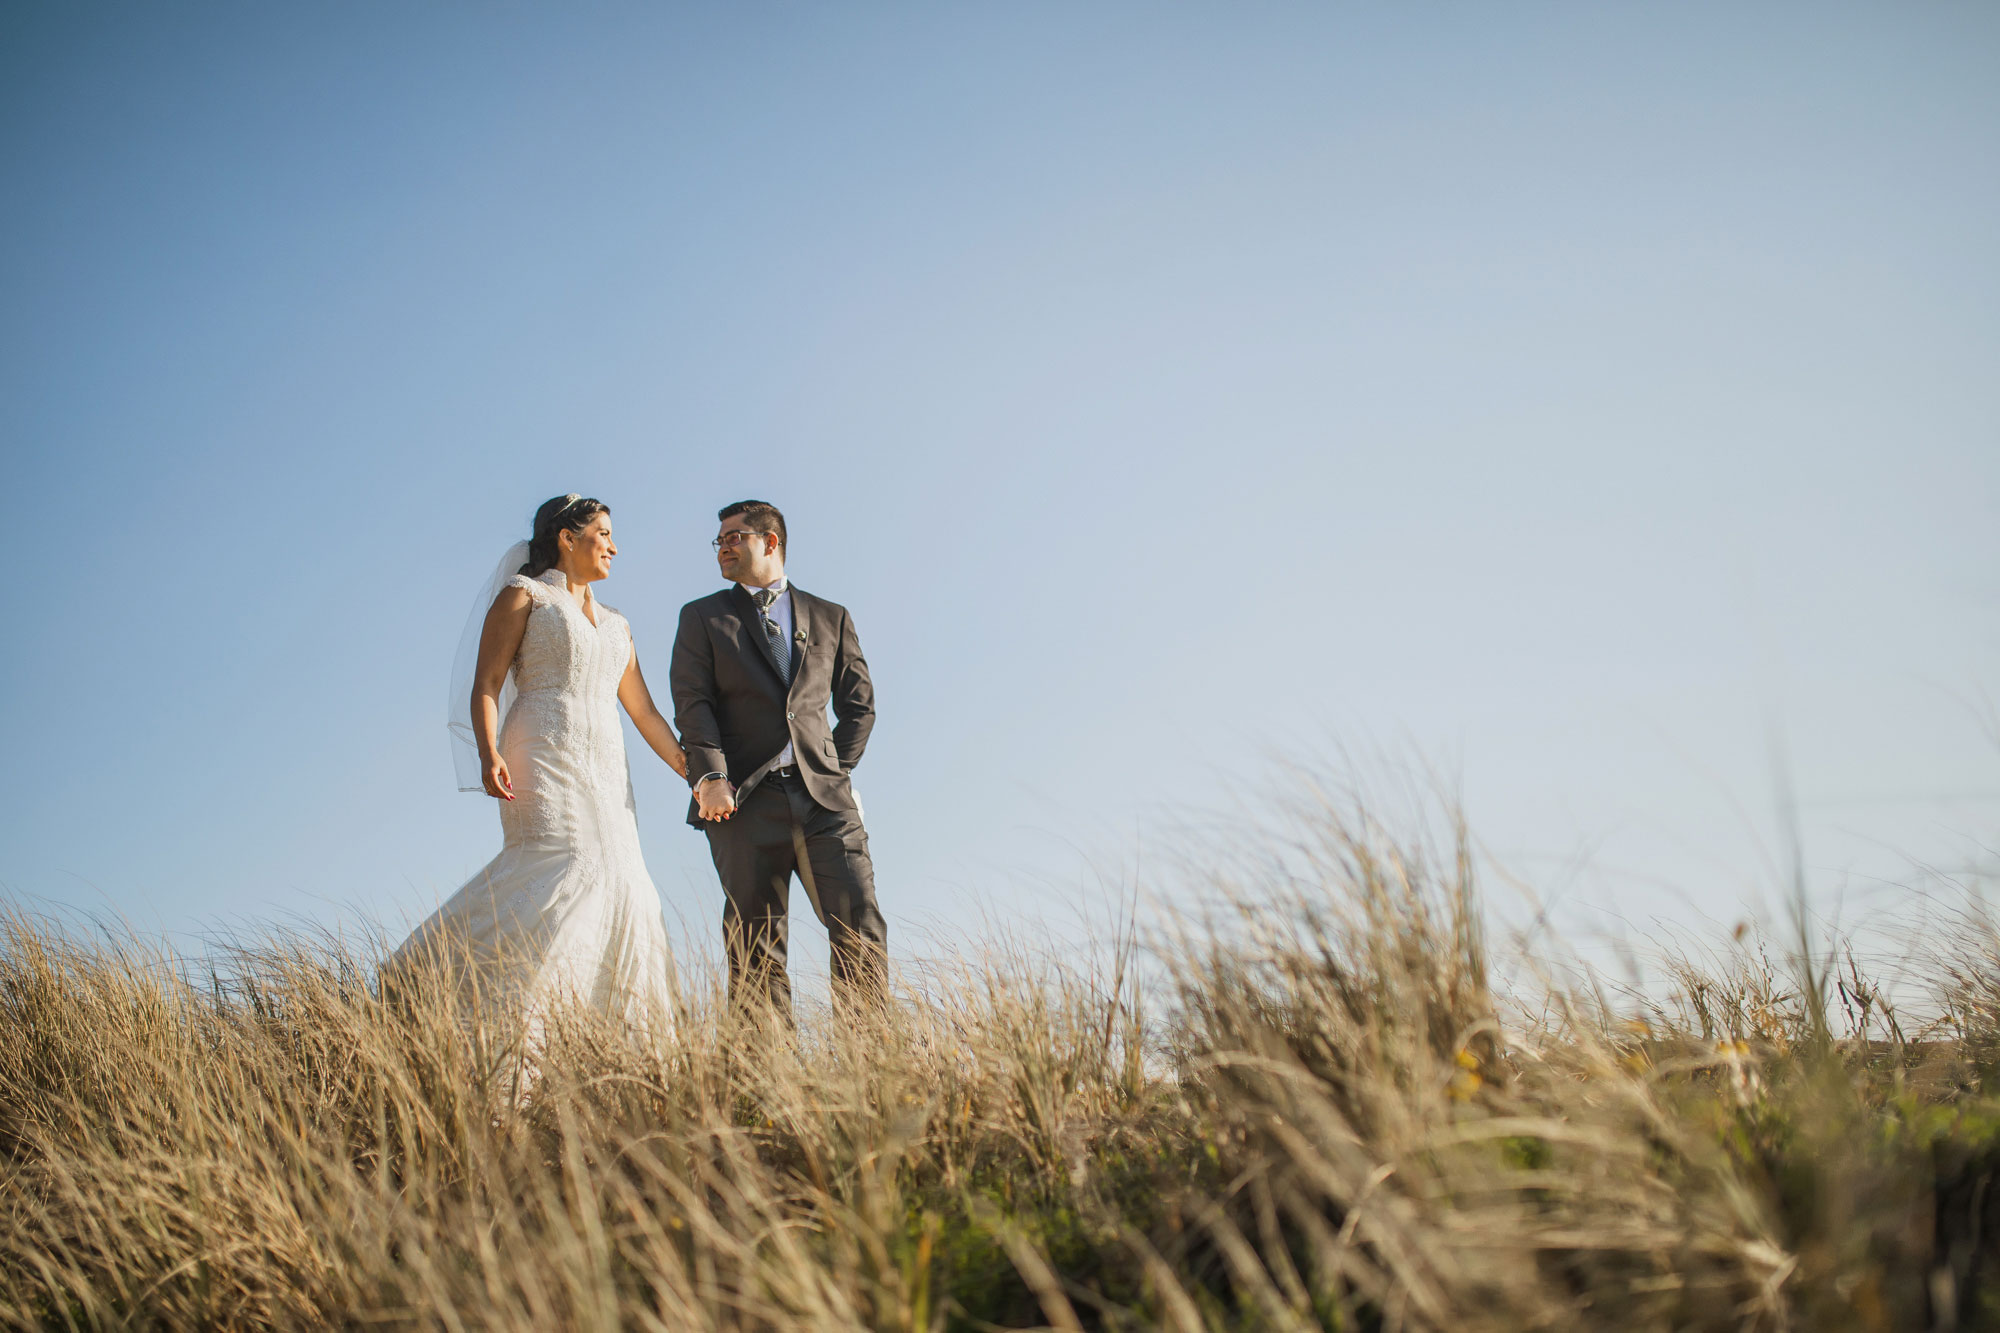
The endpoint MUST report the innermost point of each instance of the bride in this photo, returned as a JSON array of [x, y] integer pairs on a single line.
[[567, 910]]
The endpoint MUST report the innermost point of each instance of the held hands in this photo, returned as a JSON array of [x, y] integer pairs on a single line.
[[717, 799], [498, 783]]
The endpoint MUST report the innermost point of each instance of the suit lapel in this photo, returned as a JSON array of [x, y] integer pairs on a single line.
[[801, 634], [752, 621]]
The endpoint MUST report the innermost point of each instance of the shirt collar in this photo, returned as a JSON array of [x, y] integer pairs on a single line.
[[781, 586]]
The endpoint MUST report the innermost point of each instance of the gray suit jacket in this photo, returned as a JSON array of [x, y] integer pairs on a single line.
[[733, 711]]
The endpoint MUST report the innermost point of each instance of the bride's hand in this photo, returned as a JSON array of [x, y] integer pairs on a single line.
[[498, 782]]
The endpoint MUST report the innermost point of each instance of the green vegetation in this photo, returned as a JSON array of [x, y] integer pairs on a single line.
[[1319, 1116]]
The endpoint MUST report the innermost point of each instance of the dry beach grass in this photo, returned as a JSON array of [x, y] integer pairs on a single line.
[[1316, 1113]]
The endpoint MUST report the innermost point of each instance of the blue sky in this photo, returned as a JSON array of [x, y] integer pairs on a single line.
[[1562, 397]]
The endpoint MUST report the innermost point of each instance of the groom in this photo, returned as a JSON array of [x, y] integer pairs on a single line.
[[755, 667]]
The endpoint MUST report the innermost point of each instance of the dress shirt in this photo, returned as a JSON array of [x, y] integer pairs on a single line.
[[781, 612]]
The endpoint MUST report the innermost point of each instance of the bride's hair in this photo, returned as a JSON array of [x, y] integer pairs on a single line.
[[569, 513]]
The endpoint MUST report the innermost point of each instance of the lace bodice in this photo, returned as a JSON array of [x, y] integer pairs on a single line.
[[564, 727], [561, 649]]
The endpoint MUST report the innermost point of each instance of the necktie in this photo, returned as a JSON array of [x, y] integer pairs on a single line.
[[774, 636]]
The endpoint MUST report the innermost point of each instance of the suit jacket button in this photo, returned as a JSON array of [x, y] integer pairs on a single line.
[[790, 716]]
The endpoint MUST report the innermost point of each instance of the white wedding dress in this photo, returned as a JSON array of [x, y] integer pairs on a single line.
[[566, 912]]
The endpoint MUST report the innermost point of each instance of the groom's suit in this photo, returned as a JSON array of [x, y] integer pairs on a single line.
[[735, 712]]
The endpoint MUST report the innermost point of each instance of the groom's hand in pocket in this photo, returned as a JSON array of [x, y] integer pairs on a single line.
[[716, 798]]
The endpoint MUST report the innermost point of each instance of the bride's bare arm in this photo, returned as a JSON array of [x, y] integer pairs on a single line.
[[506, 622], [638, 701]]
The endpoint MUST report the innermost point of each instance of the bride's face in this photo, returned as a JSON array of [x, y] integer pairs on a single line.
[[587, 554]]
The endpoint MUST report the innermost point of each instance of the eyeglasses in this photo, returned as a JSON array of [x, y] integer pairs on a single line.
[[729, 541]]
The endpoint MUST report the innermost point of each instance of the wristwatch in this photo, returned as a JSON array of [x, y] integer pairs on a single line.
[[706, 776]]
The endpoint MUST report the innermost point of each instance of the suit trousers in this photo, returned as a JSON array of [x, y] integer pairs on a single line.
[[757, 850]]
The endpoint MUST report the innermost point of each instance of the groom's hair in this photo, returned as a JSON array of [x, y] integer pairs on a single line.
[[761, 515]]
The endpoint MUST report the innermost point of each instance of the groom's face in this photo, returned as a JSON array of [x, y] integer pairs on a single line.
[[746, 555]]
